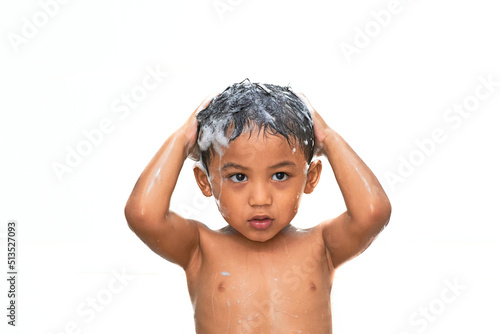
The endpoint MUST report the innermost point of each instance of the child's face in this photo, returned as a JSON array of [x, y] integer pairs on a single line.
[[258, 183]]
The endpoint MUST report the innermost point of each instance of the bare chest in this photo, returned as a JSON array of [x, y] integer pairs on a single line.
[[246, 290]]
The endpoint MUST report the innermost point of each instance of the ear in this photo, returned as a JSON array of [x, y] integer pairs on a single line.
[[313, 176], [202, 180]]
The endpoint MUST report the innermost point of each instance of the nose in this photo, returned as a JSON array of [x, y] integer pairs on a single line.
[[260, 195]]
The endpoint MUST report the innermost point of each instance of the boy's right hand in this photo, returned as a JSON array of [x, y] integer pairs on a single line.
[[190, 128]]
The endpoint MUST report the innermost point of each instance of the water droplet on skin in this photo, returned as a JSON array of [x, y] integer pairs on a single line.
[[225, 273]]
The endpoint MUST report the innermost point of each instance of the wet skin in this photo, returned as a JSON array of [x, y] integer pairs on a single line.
[[246, 278], [279, 286], [259, 274]]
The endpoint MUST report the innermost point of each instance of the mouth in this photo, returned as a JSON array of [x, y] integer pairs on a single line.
[[260, 222]]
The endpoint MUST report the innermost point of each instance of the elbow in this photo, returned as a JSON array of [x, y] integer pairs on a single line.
[[130, 215], [372, 220], [380, 212], [140, 218], [134, 215]]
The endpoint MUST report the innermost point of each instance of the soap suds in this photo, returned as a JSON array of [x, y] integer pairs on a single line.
[[214, 136], [244, 105]]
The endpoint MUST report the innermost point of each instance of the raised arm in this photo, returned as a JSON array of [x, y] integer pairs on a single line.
[[148, 207], [368, 207]]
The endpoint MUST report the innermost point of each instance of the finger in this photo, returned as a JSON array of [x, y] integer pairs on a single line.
[[207, 101], [304, 99]]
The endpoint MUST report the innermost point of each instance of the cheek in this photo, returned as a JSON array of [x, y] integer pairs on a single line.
[[290, 203], [226, 199], [296, 203], [216, 185], [224, 208], [224, 211], [297, 193]]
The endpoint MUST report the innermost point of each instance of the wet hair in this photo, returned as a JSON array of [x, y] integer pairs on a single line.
[[276, 110]]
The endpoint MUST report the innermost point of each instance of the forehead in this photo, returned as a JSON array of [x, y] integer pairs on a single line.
[[261, 149]]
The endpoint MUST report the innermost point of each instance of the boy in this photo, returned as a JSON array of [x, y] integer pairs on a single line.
[[259, 274]]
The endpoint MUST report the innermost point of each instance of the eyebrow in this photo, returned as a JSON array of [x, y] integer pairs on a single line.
[[228, 165], [286, 163]]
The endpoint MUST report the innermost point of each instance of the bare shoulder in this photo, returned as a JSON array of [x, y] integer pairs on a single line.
[[346, 237], [305, 237], [210, 244], [311, 243], [292, 245]]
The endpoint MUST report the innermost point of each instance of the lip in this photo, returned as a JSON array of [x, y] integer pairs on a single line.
[[260, 222]]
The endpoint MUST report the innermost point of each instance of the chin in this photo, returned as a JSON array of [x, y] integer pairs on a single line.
[[261, 240], [260, 237]]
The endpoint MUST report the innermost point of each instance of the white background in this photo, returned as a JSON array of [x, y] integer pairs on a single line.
[[72, 233]]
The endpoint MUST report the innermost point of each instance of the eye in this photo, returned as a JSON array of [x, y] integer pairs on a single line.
[[238, 177], [280, 176]]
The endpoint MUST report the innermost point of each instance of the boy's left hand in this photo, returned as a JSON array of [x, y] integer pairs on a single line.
[[321, 129]]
